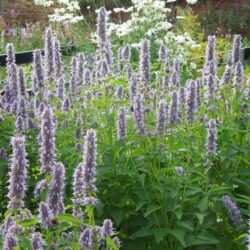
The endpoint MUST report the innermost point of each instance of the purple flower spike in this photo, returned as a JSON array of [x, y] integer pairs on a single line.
[[161, 117], [126, 53], [226, 76], [107, 228], [191, 102], [145, 63], [210, 52], [37, 241], [139, 117], [236, 49], [102, 27], [49, 54], [173, 117], [47, 149], [10, 54], [66, 104], [21, 84], [38, 70], [10, 242], [232, 210], [89, 163], [45, 215], [80, 68], [19, 124], [18, 173], [57, 60], [86, 239], [238, 76], [162, 54], [121, 124], [211, 140], [56, 189]]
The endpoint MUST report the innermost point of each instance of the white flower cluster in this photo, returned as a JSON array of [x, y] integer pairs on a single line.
[[188, 1], [65, 11], [149, 18]]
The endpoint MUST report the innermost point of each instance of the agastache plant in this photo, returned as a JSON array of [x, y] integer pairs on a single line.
[[173, 116], [139, 117], [45, 215], [57, 60], [211, 139], [191, 102], [145, 64], [161, 117], [102, 27], [56, 189], [37, 241], [78, 191], [49, 54], [121, 124], [10, 54], [238, 76], [80, 68], [236, 49], [232, 210], [17, 174], [21, 83], [47, 144], [86, 239], [89, 162], [226, 76]]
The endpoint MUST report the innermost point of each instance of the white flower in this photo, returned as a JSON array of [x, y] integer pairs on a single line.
[[192, 1], [193, 65]]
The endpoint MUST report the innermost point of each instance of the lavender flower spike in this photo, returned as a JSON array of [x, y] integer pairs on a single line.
[[56, 189], [102, 27], [18, 173], [173, 116], [107, 228], [10, 242], [89, 163], [191, 102], [126, 53], [248, 89], [66, 104], [211, 139], [210, 52], [139, 117], [49, 54], [121, 124], [236, 49], [38, 70], [232, 210], [145, 63], [226, 76], [161, 117], [21, 84], [78, 191], [238, 76], [45, 215], [86, 239], [47, 150], [60, 88], [19, 124], [162, 54], [57, 60], [10, 54], [37, 241]]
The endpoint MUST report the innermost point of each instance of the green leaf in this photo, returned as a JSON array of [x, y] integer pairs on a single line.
[[142, 179], [145, 232], [111, 243], [27, 222], [203, 204], [179, 234], [69, 218], [200, 217], [159, 234], [204, 238], [151, 208]]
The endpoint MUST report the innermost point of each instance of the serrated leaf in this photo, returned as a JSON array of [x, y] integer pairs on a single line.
[[151, 208], [27, 222]]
